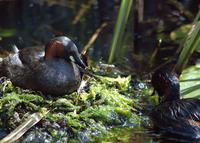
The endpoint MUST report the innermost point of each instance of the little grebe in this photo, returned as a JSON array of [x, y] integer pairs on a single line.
[[174, 116], [47, 69]]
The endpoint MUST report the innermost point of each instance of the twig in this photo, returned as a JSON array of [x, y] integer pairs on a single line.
[[140, 11], [94, 37], [24, 127], [82, 11]]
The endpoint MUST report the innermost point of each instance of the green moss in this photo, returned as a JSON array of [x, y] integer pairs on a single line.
[[109, 96], [104, 105], [121, 82]]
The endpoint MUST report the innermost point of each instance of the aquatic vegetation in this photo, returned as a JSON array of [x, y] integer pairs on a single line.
[[122, 19], [191, 43], [190, 82], [178, 34], [104, 105]]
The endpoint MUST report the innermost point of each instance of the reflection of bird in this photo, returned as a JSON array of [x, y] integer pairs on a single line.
[[49, 70], [175, 116]]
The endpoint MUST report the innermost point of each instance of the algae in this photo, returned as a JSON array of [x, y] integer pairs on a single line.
[[75, 117]]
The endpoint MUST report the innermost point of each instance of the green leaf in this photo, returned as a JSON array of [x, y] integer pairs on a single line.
[[120, 25], [190, 82]]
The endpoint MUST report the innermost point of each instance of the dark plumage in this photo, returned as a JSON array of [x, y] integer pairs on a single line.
[[180, 117], [46, 69]]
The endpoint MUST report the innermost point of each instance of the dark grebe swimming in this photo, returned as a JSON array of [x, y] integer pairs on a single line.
[[174, 116], [47, 69]]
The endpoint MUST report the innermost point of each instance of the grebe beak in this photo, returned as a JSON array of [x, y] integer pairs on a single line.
[[78, 60]]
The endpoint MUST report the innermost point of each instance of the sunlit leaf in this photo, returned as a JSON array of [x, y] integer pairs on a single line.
[[180, 33], [190, 82]]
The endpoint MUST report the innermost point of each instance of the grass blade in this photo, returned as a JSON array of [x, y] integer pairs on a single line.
[[192, 42], [122, 18]]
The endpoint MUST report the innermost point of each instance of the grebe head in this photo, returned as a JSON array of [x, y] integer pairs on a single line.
[[63, 47], [166, 83]]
